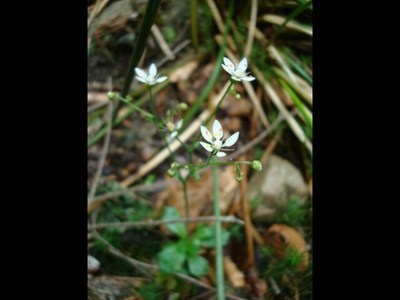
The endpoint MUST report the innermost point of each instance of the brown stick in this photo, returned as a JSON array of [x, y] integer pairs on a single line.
[[102, 157], [247, 219]]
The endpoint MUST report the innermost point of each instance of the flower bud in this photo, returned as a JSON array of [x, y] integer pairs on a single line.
[[170, 126], [111, 96], [182, 106], [256, 165], [171, 172], [174, 165]]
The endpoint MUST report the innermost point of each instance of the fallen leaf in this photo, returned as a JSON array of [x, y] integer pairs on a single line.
[[237, 107], [235, 276], [200, 194], [184, 72]]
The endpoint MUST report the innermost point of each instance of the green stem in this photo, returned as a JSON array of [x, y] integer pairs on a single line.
[[211, 116], [186, 203], [218, 238], [136, 107], [219, 102], [183, 181], [153, 106]]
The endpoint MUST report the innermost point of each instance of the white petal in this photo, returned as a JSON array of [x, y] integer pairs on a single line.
[[140, 73], [207, 146], [230, 71], [144, 80], [178, 124], [221, 154], [217, 130], [242, 65], [161, 79], [153, 70], [206, 134], [231, 140], [229, 66], [228, 63], [171, 136], [248, 78]]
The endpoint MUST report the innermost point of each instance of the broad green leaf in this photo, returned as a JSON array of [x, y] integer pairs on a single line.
[[207, 236], [189, 247], [198, 266], [171, 259]]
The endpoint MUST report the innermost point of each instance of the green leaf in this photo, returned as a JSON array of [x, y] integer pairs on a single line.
[[198, 266], [171, 259], [170, 213], [207, 236], [189, 246]]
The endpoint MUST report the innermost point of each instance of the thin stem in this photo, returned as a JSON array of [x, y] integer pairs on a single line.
[[220, 102], [153, 105], [213, 114], [184, 183], [136, 107], [218, 237]]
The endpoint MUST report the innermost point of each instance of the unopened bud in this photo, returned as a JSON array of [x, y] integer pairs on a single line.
[[171, 172], [183, 106], [111, 96], [256, 165]]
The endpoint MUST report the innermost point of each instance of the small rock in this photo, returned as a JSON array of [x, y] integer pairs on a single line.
[[93, 265], [271, 189]]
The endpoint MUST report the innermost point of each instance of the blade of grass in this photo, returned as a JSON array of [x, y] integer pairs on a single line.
[[302, 7], [279, 20], [297, 67], [302, 87], [144, 32], [302, 108], [296, 128]]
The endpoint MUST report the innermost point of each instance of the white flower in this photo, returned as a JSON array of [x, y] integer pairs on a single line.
[[238, 72], [149, 78], [173, 128], [216, 139]]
